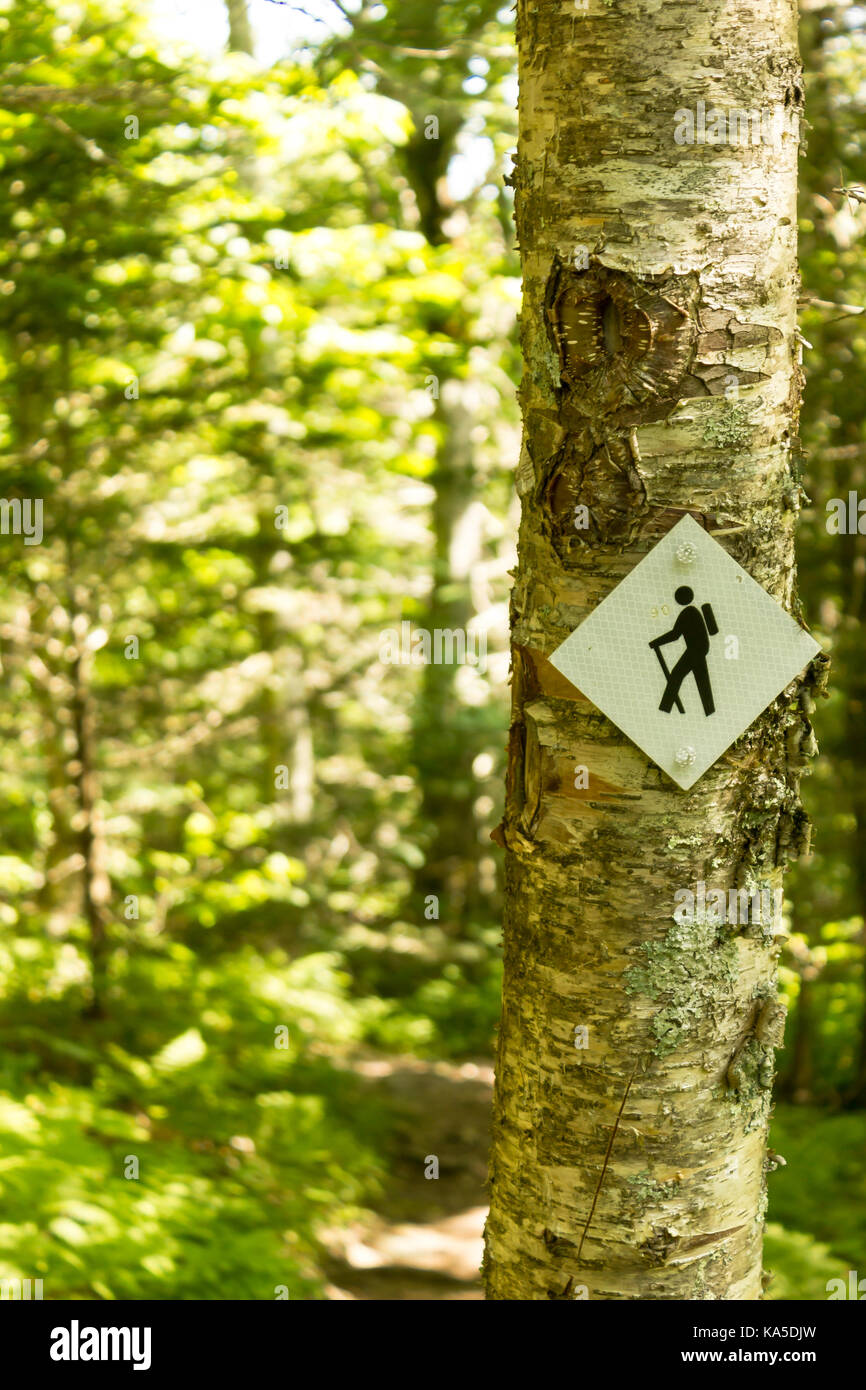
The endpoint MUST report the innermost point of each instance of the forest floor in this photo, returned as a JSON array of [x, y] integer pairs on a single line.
[[424, 1239]]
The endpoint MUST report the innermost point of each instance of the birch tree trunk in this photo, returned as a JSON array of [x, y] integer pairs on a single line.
[[661, 377]]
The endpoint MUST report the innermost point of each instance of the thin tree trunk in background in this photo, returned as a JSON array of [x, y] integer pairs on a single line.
[[442, 750], [95, 885], [802, 1067], [49, 698], [240, 30], [634, 1168], [87, 819], [794, 1081], [441, 747]]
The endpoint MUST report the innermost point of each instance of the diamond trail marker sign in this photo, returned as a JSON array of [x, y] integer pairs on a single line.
[[685, 653]]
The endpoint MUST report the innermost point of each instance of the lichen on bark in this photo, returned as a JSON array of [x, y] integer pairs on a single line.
[[692, 970]]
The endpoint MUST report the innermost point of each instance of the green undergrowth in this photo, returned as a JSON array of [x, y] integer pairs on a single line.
[[817, 1210]]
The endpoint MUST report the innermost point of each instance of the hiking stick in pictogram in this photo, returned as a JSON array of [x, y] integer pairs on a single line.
[[667, 675]]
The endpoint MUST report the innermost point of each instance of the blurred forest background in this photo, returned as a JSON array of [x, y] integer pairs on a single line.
[[258, 299]]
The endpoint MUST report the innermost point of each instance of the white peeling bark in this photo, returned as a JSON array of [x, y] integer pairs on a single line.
[[661, 376]]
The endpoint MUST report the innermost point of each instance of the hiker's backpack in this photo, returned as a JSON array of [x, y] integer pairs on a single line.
[[709, 619]]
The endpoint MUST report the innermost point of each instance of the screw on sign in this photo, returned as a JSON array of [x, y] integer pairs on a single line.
[[685, 694]]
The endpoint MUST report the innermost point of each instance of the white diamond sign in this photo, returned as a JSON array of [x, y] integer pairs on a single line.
[[685, 653]]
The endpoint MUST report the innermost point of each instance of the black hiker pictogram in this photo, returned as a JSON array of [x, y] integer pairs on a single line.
[[696, 627]]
